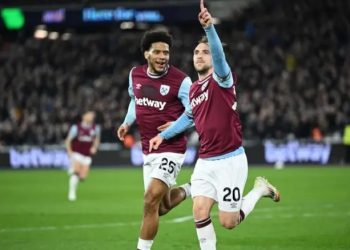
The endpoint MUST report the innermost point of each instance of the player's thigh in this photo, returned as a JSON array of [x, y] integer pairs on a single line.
[[202, 183], [203, 190], [79, 161], [155, 192], [230, 178], [75, 166], [163, 166], [84, 171], [147, 170], [166, 200], [202, 206]]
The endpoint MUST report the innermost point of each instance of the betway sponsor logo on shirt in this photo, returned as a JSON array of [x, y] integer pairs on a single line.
[[85, 138], [199, 99], [150, 103]]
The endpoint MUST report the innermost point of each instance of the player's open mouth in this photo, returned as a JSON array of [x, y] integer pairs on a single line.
[[160, 64]]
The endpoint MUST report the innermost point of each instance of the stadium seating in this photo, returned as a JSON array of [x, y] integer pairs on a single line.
[[292, 60]]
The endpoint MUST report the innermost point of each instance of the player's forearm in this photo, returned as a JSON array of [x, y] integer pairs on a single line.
[[96, 143], [180, 125], [220, 65], [68, 146], [131, 114]]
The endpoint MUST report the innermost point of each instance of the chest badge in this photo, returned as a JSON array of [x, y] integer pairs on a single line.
[[164, 89]]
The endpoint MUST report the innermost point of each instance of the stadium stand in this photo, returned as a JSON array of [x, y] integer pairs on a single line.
[[292, 59]]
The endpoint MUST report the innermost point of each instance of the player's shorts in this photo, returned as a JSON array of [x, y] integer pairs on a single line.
[[222, 180], [162, 166], [82, 159]]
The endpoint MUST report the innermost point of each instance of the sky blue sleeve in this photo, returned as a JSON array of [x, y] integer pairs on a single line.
[[98, 131], [184, 93], [73, 132], [180, 125], [222, 72], [131, 114]]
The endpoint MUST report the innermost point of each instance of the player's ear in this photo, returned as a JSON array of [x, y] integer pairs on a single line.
[[146, 54]]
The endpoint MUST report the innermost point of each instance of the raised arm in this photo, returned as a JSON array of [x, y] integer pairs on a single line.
[[222, 71]]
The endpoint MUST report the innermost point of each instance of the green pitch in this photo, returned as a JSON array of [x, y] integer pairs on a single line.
[[314, 212]]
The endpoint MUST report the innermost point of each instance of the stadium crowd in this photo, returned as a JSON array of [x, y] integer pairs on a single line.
[[292, 59]]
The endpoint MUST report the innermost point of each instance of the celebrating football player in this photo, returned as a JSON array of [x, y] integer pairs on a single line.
[[159, 95], [221, 171]]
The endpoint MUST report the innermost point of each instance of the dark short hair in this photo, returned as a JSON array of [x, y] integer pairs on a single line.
[[88, 110], [154, 36], [203, 39]]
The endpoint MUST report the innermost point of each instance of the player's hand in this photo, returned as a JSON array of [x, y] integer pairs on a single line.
[[204, 16], [155, 142], [122, 130], [164, 126], [93, 150]]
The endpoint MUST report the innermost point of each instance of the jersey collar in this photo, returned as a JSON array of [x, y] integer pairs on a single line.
[[155, 76], [200, 82]]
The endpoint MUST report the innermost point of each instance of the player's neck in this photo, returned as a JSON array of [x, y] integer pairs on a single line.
[[151, 73], [203, 75]]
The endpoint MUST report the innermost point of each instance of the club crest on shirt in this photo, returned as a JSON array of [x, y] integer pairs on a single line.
[[164, 89]]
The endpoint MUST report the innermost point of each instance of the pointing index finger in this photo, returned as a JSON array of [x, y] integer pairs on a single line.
[[201, 4]]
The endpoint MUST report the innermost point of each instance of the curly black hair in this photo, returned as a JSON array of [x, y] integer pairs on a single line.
[[154, 36]]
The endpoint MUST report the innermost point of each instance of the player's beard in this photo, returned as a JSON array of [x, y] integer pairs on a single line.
[[154, 69], [203, 70]]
